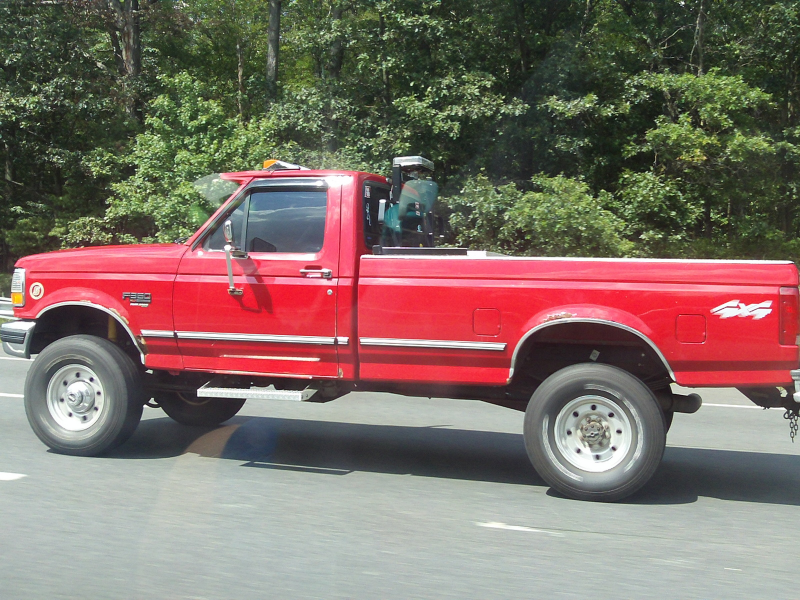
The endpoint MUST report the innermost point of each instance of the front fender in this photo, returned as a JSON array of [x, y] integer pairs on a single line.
[[78, 296], [96, 299]]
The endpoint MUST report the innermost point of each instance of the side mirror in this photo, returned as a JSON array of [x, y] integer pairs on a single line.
[[227, 231], [381, 211]]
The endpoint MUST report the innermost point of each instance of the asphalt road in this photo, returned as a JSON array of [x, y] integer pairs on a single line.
[[380, 496]]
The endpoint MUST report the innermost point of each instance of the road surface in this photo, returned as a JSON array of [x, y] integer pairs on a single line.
[[381, 496]]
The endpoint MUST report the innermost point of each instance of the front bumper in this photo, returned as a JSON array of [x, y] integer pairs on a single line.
[[16, 337]]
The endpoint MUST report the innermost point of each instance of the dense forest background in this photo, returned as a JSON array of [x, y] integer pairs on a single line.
[[566, 127]]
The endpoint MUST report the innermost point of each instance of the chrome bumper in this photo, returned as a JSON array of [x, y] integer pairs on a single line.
[[16, 337], [796, 379]]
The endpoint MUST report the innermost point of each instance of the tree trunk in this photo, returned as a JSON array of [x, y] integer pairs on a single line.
[[273, 43], [698, 36], [522, 34], [240, 76], [587, 13], [9, 194], [707, 223], [337, 47], [387, 90], [627, 6], [126, 41], [112, 34], [239, 60]]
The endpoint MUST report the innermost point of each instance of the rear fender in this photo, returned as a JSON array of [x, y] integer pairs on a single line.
[[586, 313]]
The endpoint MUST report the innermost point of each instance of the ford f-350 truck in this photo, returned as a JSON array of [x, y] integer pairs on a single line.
[[308, 284]]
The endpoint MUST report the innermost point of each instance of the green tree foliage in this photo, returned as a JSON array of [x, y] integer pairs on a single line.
[[609, 127], [712, 166], [55, 112], [558, 217]]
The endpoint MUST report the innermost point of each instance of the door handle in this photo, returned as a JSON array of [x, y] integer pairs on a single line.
[[321, 273]]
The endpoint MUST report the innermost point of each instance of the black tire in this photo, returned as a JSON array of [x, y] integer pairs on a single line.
[[594, 432], [188, 409], [668, 416], [83, 395]]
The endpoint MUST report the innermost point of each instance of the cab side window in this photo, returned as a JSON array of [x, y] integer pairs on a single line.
[[216, 241], [277, 220], [286, 220]]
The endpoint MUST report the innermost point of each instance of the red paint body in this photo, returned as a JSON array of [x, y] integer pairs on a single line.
[[465, 299]]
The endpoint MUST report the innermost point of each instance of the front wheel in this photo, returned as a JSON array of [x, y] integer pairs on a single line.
[[594, 432], [83, 395], [187, 409]]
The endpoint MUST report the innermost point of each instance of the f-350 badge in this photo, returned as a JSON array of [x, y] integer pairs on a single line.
[[734, 308], [138, 298]]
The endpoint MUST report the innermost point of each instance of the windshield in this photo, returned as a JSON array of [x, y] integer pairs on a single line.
[[215, 191]]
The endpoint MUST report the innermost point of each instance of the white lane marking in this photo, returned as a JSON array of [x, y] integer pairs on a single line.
[[704, 403], [15, 358], [11, 476], [493, 525]]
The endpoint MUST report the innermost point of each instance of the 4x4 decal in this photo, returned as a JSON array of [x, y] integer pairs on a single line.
[[734, 308]]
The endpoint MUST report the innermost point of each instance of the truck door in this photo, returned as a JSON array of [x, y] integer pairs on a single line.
[[281, 319]]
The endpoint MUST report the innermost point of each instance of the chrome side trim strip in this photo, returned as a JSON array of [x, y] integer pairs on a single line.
[[495, 256], [342, 341], [448, 344], [255, 337], [637, 333], [102, 309], [293, 358], [157, 333]]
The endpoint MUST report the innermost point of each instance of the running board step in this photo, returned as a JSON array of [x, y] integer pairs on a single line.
[[256, 393]]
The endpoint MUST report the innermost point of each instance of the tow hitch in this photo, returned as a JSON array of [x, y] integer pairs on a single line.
[[792, 413], [779, 397]]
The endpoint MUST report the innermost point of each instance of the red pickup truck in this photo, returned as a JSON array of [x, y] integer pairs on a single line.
[[308, 284]]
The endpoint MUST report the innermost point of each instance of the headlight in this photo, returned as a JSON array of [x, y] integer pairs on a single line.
[[18, 288]]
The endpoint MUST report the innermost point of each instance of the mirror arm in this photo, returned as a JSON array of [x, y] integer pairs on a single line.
[[232, 290]]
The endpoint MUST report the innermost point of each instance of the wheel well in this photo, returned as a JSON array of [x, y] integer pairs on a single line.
[[560, 345], [69, 320]]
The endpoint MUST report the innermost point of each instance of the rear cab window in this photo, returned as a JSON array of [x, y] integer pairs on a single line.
[[373, 193], [405, 222]]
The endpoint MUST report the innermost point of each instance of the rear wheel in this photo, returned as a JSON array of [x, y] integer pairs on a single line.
[[83, 395], [187, 409], [668, 416], [594, 432]]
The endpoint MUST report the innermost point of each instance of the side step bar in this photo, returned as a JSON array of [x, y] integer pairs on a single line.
[[256, 393]]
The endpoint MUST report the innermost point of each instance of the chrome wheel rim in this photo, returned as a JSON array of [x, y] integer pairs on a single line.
[[75, 397], [593, 433]]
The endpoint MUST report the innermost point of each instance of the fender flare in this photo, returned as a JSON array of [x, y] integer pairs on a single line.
[[573, 315], [116, 315]]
